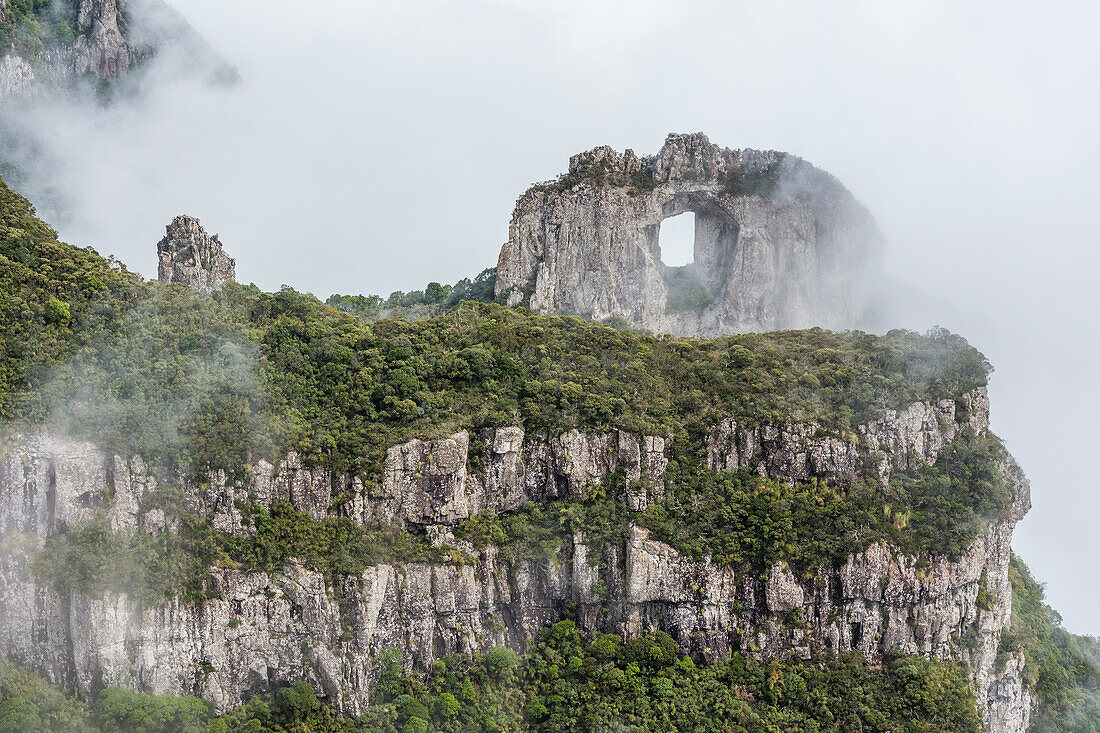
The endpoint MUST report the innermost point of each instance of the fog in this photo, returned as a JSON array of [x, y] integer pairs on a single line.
[[378, 146]]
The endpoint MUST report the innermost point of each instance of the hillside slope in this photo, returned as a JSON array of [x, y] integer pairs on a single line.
[[225, 494]]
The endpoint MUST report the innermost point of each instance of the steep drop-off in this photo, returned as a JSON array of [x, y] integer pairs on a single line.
[[175, 461], [263, 630]]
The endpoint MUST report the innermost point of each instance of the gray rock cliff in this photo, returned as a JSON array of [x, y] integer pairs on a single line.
[[261, 630], [101, 49], [189, 256], [778, 243], [110, 39]]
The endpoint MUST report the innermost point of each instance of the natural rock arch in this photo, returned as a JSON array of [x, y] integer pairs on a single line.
[[779, 243]]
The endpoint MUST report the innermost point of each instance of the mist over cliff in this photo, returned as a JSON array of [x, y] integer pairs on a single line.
[[222, 489], [966, 140]]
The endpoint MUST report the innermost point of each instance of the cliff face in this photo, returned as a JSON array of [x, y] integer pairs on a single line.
[[266, 629], [189, 256], [110, 39], [779, 244], [101, 49]]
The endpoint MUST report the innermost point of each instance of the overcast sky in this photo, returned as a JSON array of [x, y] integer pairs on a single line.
[[377, 146]]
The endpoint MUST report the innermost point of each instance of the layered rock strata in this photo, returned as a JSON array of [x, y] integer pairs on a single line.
[[262, 630], [778, 243], [189, 256]]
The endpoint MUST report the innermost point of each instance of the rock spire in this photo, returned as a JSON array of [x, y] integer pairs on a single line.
[[189, 256]]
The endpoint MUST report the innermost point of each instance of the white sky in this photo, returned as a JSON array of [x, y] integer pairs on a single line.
[[377, 146]]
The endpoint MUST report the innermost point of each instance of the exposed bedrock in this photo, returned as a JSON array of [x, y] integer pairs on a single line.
[[263, 630], [109, 39], [189, 256], [778, 243]]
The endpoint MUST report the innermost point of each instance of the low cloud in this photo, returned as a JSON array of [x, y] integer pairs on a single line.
[[373, 146]]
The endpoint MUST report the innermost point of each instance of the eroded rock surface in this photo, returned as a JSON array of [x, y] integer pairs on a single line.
[[778, 243], [189, 256], [262, 630]]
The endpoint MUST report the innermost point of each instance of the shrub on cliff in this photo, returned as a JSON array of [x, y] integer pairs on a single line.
[[90, 559]]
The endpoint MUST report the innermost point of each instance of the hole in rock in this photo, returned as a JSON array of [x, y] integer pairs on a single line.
[[677, 240]]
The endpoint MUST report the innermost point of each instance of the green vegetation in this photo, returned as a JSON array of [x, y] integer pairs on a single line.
[[1062, 670], [196, 383], [91, 559], [753, 182], [36, 274], [536, 532], [29, 704], [335, 546], [599, 173], [32, 26], [750, 522], [568, 682], [431, 301], [685, 291]]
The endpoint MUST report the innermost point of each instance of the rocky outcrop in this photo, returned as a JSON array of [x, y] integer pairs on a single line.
[[111, 39], [900, 439], [262, 630], [778, 243], [101, 48], [189, 256]]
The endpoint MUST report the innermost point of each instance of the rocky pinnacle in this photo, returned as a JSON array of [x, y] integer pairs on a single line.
[[189, 256]]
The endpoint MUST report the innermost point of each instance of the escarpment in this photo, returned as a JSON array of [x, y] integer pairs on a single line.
[[257, 630], [253, 489], [778, 243]]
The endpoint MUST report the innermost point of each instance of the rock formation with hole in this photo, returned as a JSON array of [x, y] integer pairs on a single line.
[[778, 243], [189, 256]]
